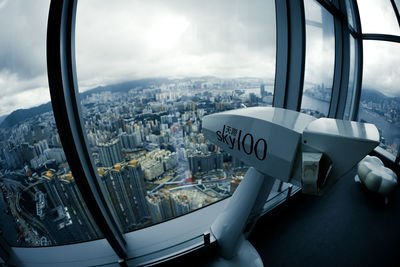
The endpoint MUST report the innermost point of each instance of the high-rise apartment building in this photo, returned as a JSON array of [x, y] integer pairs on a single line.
[[125, 189], [200, 162], [110, 153]]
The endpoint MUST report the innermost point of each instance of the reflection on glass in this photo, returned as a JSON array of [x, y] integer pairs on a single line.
[[157, 68], [40, 204], [397, 2], [378, 17], [320, 60], [350, 14], [352, 79], [380, 96]]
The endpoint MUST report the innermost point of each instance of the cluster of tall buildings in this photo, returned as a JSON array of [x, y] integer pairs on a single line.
[[16, 155], [52, 207], [28, 140], [148, 149]]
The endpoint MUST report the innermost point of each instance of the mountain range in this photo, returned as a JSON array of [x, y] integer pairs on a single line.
[[20, 115]]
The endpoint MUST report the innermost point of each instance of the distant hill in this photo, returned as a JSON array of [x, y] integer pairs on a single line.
[[125, 86], [22, 114], [373, 95], [2, 118]]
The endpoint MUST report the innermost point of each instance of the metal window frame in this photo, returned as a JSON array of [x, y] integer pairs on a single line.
[[360, 37], [354, 32], [65, 102], [332, 7], [290, 60], [290, 56], [342, 63], [282, 53], [359, 57], [381, 37]]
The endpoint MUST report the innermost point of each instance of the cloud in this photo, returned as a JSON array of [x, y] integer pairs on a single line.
[[378, 17], [320, 47], [129, 39], [380, 69], [136, 39], [24, 99], [22, 93], [22, 54], [381, 59], [23, 29]]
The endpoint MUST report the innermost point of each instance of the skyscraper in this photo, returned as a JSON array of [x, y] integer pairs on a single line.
[[138, 192], [130, 141], [155, 208], [124, 186], [262, 90], [110, 153]]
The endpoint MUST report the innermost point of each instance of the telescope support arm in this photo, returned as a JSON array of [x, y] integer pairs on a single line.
[[246, 202]]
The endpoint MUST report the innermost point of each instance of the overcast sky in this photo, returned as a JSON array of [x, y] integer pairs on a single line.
[[134, 39], [23, 80], [125, 40]]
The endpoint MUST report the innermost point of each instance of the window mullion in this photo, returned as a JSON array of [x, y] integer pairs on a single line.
[[282, 53], [297, 50], [65, 101], [381, 37], [359, 62], [342, 66], [290, 55]]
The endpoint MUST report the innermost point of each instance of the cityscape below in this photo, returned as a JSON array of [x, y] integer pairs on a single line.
[[152, 160]]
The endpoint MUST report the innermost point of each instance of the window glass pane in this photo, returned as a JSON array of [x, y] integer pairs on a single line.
[[352, 79], [350, 13], [320, 60], [378, 17], [380, 96], [149, 71], [40, 204]]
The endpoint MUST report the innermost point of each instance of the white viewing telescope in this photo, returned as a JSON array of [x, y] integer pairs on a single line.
[[280, 144]]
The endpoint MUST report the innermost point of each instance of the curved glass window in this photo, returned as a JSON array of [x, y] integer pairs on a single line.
[[378, 17], [40, 203], [380, 96], [320, 60], [148, 72]]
